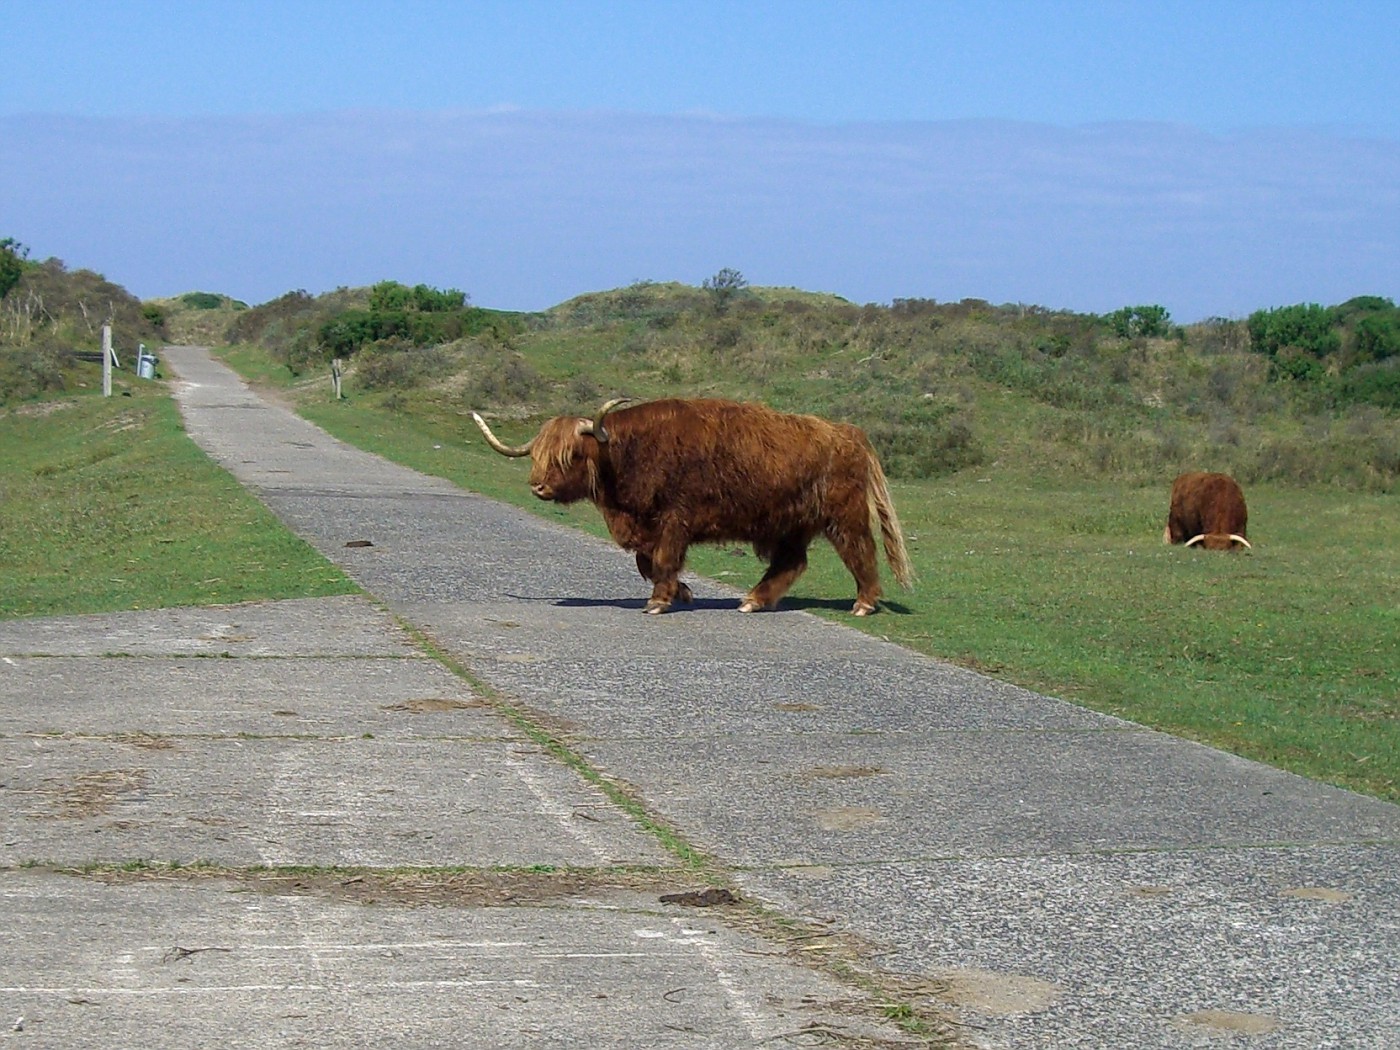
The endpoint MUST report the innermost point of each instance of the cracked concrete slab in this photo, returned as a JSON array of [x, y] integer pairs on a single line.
[[215, 963]]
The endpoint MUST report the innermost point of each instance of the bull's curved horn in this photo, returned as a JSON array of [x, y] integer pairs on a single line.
[[1240, 539], [1195, 540], [498, 445], [595, 426]]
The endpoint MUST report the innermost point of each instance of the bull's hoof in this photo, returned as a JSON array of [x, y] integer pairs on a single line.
[[683, 595], [862, 609], [749, 605], [655, 608]]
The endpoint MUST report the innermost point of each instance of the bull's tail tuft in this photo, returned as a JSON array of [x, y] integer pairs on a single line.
[[882, 513]]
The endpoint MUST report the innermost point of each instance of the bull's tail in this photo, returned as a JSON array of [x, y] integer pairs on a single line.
[[877, 494]]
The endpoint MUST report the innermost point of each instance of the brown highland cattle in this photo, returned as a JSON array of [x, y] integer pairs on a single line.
[[666, 474], [1206, 509]]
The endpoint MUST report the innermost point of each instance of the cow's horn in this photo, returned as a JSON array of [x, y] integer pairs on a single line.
[[1241, 539], [1195, 540], [496, 443], [595, 427]]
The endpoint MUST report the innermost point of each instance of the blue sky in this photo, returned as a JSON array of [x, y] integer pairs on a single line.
[[1211, 157]]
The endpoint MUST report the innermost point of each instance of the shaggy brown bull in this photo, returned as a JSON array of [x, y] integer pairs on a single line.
[[1206, 509], [670, 473]]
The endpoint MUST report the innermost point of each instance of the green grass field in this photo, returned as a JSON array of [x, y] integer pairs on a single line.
[[106, 504]]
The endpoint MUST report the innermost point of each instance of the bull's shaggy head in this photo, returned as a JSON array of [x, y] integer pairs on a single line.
[[563, 455]]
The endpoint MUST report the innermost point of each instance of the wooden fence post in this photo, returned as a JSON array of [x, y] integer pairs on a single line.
[[106, 360]]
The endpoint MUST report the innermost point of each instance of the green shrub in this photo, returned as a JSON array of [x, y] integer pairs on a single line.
[[395, 364], [915, 437], [1306, 327], [1294, 362], [1375, 384], [420, 315], [501, 378], [29, 372], [13, 260], [1140, 322], [911, 450], [1377, 335], [285, 327], [1333, 350], [154, 315]]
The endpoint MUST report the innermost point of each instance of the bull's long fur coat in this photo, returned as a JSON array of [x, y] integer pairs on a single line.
[[1209, 509], [724, 471]]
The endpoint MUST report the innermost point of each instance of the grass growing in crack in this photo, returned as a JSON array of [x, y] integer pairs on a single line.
[[670, 840]]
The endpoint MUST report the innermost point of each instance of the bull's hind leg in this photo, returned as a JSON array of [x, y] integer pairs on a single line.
[[856, 547], [789, 561]]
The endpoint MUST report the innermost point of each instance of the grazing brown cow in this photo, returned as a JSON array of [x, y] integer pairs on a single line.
[[1207, 509], [666, 474]]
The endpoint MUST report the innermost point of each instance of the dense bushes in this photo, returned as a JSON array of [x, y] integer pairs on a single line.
[[1376, 384], [921, 439], [419, 316], [73, 305], [305, 332], [1307, 327], [12, 263], [31, 371], [1345, 353], [48, 313], [397, 364], [286, 327], [202, 300], [1140, 322]]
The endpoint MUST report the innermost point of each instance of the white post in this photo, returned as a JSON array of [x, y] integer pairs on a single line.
[[106, 360]]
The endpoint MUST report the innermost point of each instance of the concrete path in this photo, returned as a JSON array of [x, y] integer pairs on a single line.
[[1053, 877], [198, 808]]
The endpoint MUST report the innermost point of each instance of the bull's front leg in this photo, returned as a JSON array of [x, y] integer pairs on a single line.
[[667, 560], [648, 571], [642, 537]]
